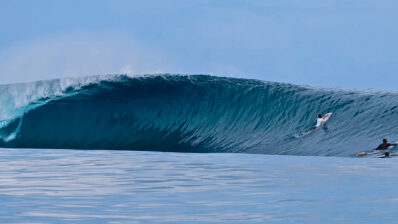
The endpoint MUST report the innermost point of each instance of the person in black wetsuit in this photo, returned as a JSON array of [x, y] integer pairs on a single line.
[[385, 145]]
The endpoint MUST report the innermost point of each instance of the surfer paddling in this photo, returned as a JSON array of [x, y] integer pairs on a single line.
[[383, 146]]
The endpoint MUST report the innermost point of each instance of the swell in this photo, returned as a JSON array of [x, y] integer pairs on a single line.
[[202, 114]]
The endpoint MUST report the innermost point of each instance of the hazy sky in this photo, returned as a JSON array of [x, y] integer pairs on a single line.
[[324, 43]]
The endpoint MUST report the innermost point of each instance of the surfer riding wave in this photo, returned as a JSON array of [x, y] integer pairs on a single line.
[[320, 121]]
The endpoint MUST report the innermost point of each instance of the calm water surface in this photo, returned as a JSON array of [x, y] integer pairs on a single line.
[[71, 186]]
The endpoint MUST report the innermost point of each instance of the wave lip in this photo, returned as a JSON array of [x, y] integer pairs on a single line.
[[196, 113]]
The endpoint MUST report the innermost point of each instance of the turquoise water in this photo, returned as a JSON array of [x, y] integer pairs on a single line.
[[100, 186], [193, 113]]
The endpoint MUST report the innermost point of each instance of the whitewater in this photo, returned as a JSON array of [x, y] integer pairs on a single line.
[[193, 113]]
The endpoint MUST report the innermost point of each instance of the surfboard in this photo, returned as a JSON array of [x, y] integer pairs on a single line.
[[375, 153], [326, 118]]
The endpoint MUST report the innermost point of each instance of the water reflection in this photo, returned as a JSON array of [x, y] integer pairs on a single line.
[[42, 186]]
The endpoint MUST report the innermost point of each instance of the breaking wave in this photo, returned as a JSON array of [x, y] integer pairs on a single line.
[[193, 113]]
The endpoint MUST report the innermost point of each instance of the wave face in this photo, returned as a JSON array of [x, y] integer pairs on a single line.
[[196, 113]]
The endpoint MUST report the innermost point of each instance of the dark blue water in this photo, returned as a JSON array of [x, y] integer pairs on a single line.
[[193, 114]]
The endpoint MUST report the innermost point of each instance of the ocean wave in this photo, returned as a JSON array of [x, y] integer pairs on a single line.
[[193, 113]]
